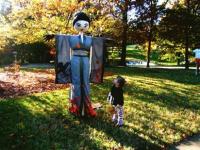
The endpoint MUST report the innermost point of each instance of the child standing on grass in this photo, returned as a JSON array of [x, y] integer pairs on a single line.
[[116, 98]]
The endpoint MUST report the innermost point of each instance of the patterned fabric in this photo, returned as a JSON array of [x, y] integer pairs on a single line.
[[80, 88], [76, 69], [80, 53], [63, 67], [66, 42], [63, 72], [96, 75], [118, 115], [76, 43]]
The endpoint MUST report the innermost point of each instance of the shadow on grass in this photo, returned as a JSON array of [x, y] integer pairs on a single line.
[[176, 75], [170, 97], [24, 128], [124, 136], [156, 118]]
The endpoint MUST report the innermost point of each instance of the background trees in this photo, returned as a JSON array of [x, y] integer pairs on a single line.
[[142, 22], [148, 13], [181, 26]]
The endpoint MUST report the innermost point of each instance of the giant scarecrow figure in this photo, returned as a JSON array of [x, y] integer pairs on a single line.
[[79, 61]]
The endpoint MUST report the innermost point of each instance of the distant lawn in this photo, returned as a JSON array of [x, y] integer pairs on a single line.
[[36, 67], [135, 54], [161, 107]]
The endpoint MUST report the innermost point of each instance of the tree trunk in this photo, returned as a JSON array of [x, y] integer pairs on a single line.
[[150, 36], [124, 42], [186, 51], [149, 42], [149, 51], [124, 37], [178, 56], [197, 71], [187, 38], [178, 62]]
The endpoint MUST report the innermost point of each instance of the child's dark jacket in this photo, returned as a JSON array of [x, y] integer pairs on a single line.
[[117, 94]]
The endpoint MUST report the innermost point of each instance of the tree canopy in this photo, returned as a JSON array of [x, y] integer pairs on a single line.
[[125, 21]]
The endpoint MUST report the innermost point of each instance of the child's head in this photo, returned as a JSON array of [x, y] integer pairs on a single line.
[[119, 82]]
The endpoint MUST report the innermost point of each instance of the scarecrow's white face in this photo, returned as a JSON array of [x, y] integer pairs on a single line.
[[81, 26]]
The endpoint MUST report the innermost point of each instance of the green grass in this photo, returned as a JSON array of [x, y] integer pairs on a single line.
[[135, 54], [167, 63], [161, 107], [36, 68], [139, 54]]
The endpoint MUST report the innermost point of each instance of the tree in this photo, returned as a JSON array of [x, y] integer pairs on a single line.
[[148, 13], [122, 7], [28, 21], [37, 18], [170, 51], [181, 25], [5, 10]]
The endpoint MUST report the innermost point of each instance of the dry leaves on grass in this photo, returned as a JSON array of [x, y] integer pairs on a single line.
[[23, 83]]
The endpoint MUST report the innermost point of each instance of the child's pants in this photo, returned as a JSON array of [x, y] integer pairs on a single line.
[[118, 115]]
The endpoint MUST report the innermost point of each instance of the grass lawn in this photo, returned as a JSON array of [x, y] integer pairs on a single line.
[[161, 107], [136, 54]]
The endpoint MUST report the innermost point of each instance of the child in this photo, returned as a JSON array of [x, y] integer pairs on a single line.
[[115, 97]]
